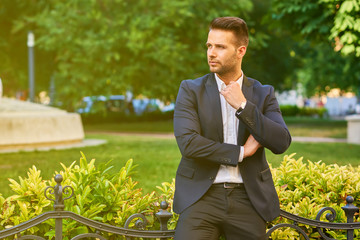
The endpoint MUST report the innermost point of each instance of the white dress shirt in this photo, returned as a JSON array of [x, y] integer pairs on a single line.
[[230, 128]]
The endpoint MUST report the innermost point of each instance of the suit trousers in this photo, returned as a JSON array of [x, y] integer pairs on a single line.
[[221, 211]]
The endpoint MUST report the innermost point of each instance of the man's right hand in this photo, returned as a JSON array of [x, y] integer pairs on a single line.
[[251, 146]]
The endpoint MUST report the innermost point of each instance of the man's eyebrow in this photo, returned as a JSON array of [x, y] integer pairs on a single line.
[[215, 44]]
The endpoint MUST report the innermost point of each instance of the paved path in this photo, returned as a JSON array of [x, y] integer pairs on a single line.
[[171, 135], [318, 139], [84, 143]]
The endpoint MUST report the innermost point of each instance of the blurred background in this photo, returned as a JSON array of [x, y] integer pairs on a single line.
[[118, 58]]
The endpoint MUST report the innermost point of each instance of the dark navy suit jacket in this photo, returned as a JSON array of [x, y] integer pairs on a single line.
[[198, 129]]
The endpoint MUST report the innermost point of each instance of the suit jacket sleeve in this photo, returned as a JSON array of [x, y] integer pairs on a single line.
[[189, 136], [267, 125]]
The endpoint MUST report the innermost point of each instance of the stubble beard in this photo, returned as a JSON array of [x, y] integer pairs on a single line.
[[222, 70]]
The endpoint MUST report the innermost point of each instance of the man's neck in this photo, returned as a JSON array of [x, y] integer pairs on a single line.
[[227, 78]]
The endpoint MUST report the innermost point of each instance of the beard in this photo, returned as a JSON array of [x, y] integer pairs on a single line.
[[224, 65], [223, 69]]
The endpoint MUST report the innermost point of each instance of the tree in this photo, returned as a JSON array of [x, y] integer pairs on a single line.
[[328, 33], [13, 49], [269, 58], [335, 20], [112, 46]]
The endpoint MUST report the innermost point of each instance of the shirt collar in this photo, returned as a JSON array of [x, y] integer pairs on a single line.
[[222, 85]]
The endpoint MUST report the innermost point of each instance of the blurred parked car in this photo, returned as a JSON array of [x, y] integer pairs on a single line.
[[119, 103]]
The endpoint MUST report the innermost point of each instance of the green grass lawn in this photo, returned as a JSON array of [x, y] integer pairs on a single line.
[[157, 158], [298, 126], [316, 127]]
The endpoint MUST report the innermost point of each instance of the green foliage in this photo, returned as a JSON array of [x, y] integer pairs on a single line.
[[323, 69], [347, 26], [304, 189], [293, 110], [289, 110], [323, 19], [268, 59], [323, 30], [122, 117], [312, 112], [28, 202], [108, 47], [98, 195]]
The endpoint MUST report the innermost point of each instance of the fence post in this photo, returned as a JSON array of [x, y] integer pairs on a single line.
[[350, 211], [58, 200], [58, 206], [163, 215]]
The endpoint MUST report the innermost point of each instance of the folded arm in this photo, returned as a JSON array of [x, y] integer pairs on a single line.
[[267, 126], [188, 133]]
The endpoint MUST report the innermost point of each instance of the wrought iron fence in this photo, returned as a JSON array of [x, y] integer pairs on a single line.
[[320, 226], [59, 194]]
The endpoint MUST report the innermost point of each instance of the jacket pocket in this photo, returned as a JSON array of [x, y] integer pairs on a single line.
[[266, 174], [186, 172]]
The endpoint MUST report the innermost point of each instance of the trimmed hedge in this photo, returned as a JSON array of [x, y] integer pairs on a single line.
[[293, 110], [113, 117]]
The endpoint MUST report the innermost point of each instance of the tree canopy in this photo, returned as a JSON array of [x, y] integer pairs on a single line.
[[112, 46], [328, 33], [106, 47]]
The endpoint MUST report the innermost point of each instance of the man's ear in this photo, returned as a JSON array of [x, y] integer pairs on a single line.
[[241, 51]]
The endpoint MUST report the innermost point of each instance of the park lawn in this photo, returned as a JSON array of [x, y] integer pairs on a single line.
[[316, 127], [157, 158], [298, 126], [164, 126]]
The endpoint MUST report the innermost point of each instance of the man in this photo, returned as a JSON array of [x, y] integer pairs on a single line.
[[222, 123]]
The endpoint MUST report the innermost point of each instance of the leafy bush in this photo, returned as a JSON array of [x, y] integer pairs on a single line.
[[293, 110], [308, 111], [98, 195], [113, 117], [303, 189], [289, 110]]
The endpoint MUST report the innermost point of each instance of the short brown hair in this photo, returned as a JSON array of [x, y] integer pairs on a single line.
[[234, 24]]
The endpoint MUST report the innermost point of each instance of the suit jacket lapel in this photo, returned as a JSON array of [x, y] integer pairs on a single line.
[[247, 89], [213, 96]]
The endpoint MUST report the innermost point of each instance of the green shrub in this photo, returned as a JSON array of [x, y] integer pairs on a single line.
[[303, 189], [289, 110], [293, 110], [121, 117], [313, 112], [98, 195]]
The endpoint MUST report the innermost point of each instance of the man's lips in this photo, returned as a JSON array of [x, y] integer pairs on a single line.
[[213, 62]]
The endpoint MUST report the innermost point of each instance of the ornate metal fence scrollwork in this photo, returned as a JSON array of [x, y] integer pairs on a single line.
[[59, 194], [321, 226]]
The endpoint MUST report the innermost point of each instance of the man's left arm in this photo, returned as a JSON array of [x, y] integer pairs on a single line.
[[266, 126]]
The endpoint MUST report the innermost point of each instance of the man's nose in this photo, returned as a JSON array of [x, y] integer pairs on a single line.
[[211, 52]]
